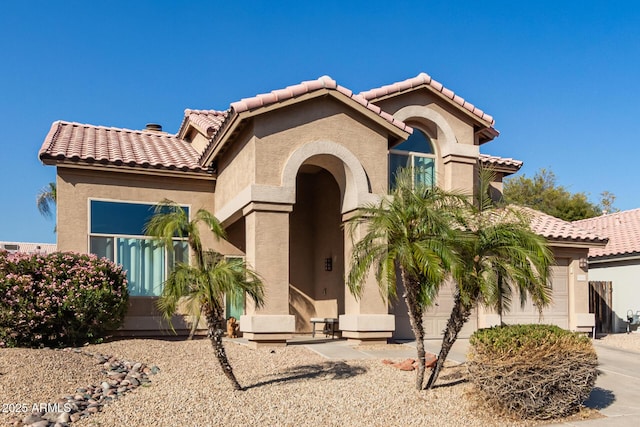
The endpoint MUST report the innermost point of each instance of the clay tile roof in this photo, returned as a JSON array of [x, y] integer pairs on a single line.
[[622, 229], [208, 121], [553, 228], [424, 79], [83, 143], [324, 82], [488, 160]]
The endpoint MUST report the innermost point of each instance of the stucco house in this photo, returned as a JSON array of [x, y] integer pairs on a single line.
[[283, 171], [617, 265]]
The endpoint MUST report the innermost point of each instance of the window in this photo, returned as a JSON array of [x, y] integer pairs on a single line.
[[116, 232], [234, 308], [415, 153]]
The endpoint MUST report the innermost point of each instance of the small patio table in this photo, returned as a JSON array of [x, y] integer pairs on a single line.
[[330, 324]]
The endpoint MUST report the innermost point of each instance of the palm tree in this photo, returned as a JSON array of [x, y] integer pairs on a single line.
[[201, 288], [46, 199], [498, 253], [407, 239]]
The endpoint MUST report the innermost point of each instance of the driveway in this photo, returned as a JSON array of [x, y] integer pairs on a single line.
[[617, 391]]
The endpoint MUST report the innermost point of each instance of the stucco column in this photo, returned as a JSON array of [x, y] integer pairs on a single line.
[[366, 318], [267, 234]]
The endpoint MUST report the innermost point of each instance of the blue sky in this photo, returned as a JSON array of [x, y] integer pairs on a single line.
[[560, 78]]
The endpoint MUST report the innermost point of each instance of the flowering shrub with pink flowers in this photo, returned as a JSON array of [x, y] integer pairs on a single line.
[[61, 299]]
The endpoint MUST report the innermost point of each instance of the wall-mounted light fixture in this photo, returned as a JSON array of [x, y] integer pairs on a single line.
[[328, 264], [583, 263]]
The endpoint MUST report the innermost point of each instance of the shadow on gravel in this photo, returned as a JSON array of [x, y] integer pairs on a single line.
[[323, 371], [600, 398], [450, 379]]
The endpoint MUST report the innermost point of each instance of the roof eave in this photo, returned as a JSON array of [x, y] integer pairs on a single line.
[[628, 256], [575, 243], [177, 172]]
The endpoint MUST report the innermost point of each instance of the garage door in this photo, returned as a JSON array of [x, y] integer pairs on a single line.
[[436, 318], [557, 313]]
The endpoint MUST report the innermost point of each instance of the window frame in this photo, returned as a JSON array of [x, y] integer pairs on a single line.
[[115, 236]]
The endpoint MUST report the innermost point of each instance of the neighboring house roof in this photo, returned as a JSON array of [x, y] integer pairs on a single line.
[[556, 229], [502, 164], [622, 229], [88, 144], [425, 80], [29, 248]]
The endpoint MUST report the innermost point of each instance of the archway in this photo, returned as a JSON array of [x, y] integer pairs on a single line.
[[316, 245]]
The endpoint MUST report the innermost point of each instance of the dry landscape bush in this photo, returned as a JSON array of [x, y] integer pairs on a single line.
[[533, 371]]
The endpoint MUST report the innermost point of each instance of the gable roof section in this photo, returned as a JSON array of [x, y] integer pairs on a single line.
[[622, 229], [291, 94], [557, 230], [76, 143], [207, 122], [423, 80]]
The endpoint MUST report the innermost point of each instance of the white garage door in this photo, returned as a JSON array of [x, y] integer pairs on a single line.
[[557, 313]]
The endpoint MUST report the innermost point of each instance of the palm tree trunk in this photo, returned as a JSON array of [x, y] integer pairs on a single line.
[[459, 316], [215, 324], [415, 318]]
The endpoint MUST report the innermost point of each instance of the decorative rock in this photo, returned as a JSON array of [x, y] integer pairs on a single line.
[[122, 376], [32, 418], [63, 417]]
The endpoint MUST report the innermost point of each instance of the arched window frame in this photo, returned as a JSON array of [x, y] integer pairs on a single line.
[[413, 160]]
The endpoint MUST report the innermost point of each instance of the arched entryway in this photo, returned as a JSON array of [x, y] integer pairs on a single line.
[[316, 247]]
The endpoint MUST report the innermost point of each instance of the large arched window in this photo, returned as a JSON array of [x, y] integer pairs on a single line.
[[417, 153]]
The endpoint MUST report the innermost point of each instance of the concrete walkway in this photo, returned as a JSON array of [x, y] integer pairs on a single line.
[[616, 394]]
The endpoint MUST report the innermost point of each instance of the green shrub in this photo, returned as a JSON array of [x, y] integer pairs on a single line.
[[532, 371], [61, 299]]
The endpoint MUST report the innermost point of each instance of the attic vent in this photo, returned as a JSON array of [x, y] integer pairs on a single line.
[[154, 127]]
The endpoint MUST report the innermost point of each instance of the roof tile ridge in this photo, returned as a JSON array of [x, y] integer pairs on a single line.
[[117, 129], [426, 79], [188, 111]]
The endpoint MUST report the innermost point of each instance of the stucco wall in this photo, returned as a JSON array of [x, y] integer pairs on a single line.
[[77, 186], [236, 168], [281, 132], [459, 123], [625, 278]]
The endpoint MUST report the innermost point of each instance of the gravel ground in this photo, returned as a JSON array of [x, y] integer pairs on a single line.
[[289, 386]]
